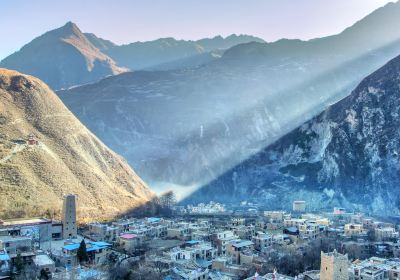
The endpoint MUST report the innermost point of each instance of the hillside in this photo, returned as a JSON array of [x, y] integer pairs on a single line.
[[66, 159]]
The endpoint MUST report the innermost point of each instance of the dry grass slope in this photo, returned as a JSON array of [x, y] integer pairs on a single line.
[[67, 159]]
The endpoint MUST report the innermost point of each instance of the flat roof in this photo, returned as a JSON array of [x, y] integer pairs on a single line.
[[43, 260], [128, 236], [23, 254], [30, 221], [292, 229], [8, 238], [242, 244]]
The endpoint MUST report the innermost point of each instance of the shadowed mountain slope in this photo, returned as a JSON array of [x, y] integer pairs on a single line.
[[346, 156]]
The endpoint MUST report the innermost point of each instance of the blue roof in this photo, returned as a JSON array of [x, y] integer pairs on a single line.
[[101, 244], [4, 257], [71, 247], [192, 242], [153, 219], [96, 247], [88, 273], [93, 246]]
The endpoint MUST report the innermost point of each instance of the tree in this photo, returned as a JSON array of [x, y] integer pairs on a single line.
[[148, 271], [43, 274], [19, 263], [82, 254], [167, 200]]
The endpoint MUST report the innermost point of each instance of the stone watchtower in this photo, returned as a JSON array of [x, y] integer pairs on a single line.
[[69, 217], [334, 266]]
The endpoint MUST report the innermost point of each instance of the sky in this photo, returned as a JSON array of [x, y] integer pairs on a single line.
[[125, 21]]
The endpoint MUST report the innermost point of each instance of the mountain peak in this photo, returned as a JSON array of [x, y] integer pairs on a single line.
[[65, 49], [68, 29], [70, 24]]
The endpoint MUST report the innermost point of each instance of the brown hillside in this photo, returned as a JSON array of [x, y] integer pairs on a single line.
[[67, 158]]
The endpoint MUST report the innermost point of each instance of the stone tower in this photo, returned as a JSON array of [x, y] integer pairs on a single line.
[[334, 266], [69, 217]]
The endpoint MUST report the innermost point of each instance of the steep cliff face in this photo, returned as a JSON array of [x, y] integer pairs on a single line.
[[63, 157], [348, 155], [62, 58]]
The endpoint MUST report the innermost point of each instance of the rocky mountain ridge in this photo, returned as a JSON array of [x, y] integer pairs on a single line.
[[168, 53]]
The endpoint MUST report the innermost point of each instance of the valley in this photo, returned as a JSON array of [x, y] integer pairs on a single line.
[[200, 140]]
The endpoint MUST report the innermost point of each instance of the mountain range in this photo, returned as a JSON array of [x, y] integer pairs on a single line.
[[185, 127], [348, 155], [169, 51], [66, 56], [62, 157]]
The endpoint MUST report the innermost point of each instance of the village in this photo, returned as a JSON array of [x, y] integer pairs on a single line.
[[206, 241]]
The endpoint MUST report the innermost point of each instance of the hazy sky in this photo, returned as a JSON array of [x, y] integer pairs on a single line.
[[124, 21]]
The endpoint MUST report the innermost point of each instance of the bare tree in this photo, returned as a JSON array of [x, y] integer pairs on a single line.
[[168, 199]]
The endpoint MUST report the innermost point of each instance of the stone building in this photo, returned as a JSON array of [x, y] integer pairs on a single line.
[[351, 230], [69, 217], [334, 266]]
